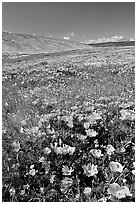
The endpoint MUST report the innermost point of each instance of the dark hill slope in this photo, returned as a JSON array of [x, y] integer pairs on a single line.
[[110, 44]]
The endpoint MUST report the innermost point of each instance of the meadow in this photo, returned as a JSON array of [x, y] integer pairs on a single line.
[[68, 132]]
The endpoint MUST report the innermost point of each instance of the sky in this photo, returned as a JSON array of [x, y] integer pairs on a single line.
[[81, 21]]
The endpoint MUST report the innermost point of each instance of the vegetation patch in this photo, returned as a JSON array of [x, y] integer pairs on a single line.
[[69, 129]]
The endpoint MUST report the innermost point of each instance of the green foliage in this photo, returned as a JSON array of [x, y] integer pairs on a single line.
[[59, 144]]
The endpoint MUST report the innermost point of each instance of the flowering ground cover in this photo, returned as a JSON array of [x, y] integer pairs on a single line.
[[69, 128]]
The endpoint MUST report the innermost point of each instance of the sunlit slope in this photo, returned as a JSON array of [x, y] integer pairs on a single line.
[[22, 43]]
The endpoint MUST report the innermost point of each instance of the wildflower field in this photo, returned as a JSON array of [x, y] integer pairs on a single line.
[[68, 132]]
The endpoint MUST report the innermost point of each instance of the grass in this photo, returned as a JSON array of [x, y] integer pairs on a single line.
[[68, 128]]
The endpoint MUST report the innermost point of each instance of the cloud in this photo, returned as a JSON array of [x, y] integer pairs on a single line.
[[72, 34], [112, 39], [132, 39], [69, 36], [117, 38], [66, 37]]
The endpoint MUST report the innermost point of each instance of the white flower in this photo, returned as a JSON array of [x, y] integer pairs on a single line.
[[127, 114], [78, 196], [23, 122], [42, 190], [26, 186], [32, 166], [120, 194], [133, 148], [118, 191], [66, 171], [103, 199], [58, 150], [96, 153], [87, 191], [69, 120], [71, 150], [12, 191], [90, 170], [52, 179], [86, 125], [110, 149], [80, 117], [50, 130], [15, 166], [16, 146], [91, 133], [122, 149], [32, 172], [92, 118], [66, 182], [22, 192], [34, 130], [41, 159], [116, 166], [66, 149], [21, 129], [124, 180], [133, 171], [81, 137], [47, 150], [70, 123], [96, 143]]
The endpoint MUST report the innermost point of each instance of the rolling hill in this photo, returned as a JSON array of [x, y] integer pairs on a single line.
[[31, 44]]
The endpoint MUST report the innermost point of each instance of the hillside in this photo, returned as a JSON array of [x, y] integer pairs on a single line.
[[23, 43], [110, 44], [68, 124]]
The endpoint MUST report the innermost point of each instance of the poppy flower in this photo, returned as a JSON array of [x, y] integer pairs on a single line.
[[66, 171], [50, 130], [92, 118], [127, 114], [81, 137], [116, 166], [133, 171], [80, 117], [16, 146], [87, 191], [118, 191], [22, 192], [52, 178], [110, 149], [32, 166], [86, 125], [34, 130], [66, 149], [41, 159], [12, 191], [68, 120], [66, 183], [42, 190], [96, 153], [71, 150], [90, 169], [47, 150], [91, 133], [32, 172]]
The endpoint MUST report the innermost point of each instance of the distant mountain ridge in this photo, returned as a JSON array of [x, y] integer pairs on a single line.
[[109, 44], [31, 44]]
